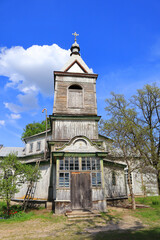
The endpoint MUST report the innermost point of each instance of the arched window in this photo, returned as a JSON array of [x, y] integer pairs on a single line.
[[75, 96]]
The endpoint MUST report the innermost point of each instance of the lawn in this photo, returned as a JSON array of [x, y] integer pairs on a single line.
[[124, 223]]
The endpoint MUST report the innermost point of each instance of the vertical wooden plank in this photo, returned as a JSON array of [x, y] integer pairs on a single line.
[[57, 172], [102, 173]]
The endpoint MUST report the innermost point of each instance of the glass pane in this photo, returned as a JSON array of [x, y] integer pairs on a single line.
[[98, 164], [98, 179], [66, 164], [83, 164], [93, 164], [71, 164], [76, 164], [88, 164], [61, 179], [93, 179], [61, 165], [66, 179]]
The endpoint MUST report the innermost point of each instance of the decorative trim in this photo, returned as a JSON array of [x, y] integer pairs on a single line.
[[80, 137], [72, 117], [75, 154], [72, 74], [73, 64]]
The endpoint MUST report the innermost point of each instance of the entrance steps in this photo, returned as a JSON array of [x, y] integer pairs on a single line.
[[82, 215]]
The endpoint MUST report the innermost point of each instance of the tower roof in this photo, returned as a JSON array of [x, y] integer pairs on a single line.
[[76, 63]]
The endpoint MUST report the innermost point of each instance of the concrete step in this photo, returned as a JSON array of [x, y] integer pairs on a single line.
[[79, 219], [80, 215]]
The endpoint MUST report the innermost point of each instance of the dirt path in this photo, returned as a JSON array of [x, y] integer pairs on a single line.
[[117, 219], [123, 223]]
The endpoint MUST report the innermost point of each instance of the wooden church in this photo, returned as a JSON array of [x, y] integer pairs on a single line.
[[77, 153], [78, 172]]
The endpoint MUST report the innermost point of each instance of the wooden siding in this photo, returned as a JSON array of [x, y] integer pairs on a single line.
[[117, 189], [69, 129], [63, 194], [61, 97]]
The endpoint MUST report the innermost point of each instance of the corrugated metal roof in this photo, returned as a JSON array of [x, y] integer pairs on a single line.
[[4, 151]]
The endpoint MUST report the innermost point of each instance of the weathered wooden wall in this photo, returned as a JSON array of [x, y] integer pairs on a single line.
[[67, 129], [149, 182], [89, 105], [42, 185], [119, 189]]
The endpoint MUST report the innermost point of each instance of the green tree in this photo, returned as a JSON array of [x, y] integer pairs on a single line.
[[12, 175], [121, 128], [147, 104], [34, 128], [134, 126]]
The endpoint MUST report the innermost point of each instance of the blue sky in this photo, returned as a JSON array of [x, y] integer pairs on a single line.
[[119, 40]]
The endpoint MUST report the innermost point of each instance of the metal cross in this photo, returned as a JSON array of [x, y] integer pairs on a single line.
[[75, 34]]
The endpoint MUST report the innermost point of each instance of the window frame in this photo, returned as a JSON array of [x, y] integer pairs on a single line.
[[80, 90], [38, 148], [31, 147], [67, 166]]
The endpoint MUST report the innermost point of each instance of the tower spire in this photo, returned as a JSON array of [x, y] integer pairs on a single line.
[[75, 49], [75, 35]]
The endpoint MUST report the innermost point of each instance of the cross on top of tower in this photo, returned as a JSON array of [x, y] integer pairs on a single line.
[[75, 35]]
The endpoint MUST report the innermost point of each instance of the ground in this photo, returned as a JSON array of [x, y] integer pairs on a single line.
[[116, 224]]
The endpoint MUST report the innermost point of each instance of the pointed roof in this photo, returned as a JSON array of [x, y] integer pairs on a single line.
[[76, 63]]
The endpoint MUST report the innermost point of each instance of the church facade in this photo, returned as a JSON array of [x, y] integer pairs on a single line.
[[78, 172]]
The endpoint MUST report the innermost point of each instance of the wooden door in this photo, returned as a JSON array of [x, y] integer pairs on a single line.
[[81, 192]]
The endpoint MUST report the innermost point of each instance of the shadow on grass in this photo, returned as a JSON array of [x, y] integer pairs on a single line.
[[153, 234]]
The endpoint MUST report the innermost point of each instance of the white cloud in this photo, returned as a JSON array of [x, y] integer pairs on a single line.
[[15, 116], [31, 71], [2, 122]]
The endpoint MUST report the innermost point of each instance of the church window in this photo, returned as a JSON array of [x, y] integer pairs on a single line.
[[76, 164], [75, 96], [96, 179], [31, 147], [90, 164], [63, 179], [93, 164], [61, 165], [38, 146], [69, 163], [113, 178], [66, 164]]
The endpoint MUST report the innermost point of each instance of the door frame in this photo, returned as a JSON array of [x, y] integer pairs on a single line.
[[90, 189]]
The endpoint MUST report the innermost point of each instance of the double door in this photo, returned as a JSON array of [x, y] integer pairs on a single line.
[[81, 191]]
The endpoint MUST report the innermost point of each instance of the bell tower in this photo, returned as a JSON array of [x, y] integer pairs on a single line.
[[75, 87]]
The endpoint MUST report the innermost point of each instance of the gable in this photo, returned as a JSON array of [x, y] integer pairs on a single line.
[[76, 67], [80, 144], [76, 64]]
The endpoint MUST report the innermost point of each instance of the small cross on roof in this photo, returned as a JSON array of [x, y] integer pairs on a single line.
[[75, 35]]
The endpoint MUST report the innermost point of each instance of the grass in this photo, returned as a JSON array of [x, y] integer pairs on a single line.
[[53, 226], [153, 234], [149, 215]]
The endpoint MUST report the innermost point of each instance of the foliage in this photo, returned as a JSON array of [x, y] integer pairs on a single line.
[[134, 126], [147, 105], [34, 128], [15, 214], [120, 127], [12, 175]]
